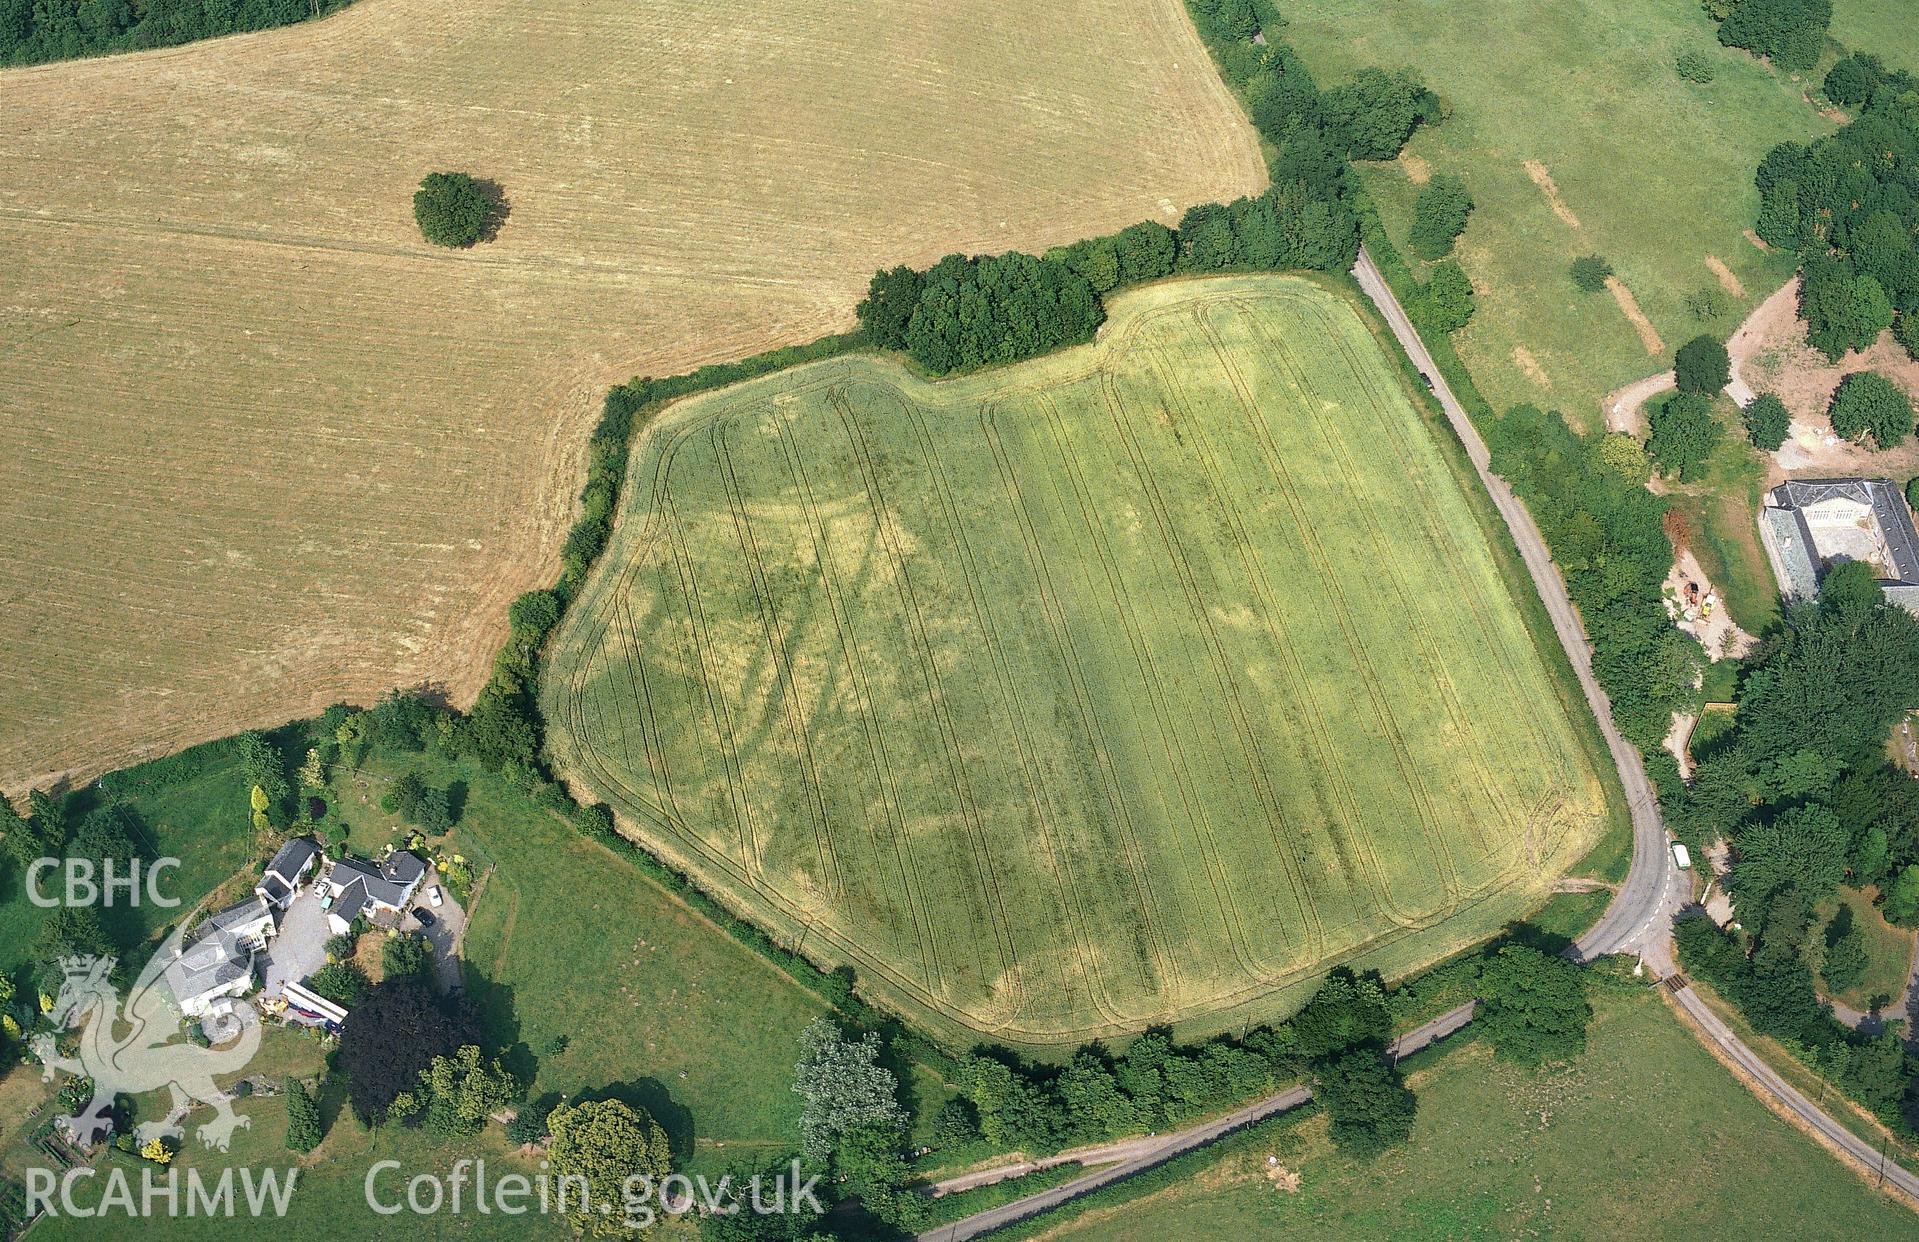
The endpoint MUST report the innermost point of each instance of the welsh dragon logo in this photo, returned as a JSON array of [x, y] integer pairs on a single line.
[[142, 1046]]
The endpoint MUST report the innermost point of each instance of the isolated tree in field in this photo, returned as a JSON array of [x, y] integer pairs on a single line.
[[844, 1086], [1367, 1100], [1439, 216], [463, 1090], [1449, 297], [1844, 961], [1684, 435], [452, 209], [1533, 1006], [1590, 272], [303, 1116], [607, 1143], [1868, 404], [1702, 365], [1767, 422], [1706, 303], [393, 1034]]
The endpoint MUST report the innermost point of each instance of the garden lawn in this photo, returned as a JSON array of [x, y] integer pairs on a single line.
[[1646, 1136], [1888, 952], [203, 820], [1657, 172], [568, 939]]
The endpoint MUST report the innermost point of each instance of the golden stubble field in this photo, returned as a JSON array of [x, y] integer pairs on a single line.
[[262, 448]]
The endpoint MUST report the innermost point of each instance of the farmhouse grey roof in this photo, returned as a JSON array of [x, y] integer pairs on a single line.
[[1798, 572], [1888, 510], [217, 958], [389, 884], [234, 916], [292, 859]]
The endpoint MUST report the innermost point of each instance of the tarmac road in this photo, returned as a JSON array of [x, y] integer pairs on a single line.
[[1639, 920]]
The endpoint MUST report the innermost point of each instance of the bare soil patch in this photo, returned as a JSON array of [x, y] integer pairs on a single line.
[[1524, 360], [262, 448], [1727, 280], [1699, 610], [1544, 180], [1629, 307], [1770, 354], [1417, 170]]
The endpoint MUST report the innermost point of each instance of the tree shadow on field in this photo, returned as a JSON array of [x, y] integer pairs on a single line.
[[498, 208], [1532, 937], [651, 1097]]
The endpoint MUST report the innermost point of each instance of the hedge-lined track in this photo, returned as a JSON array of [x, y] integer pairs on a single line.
[[262, 448], [1130, 685]]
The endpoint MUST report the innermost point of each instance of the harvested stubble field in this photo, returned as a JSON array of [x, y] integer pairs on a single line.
[[262, 448], [1126, 686]]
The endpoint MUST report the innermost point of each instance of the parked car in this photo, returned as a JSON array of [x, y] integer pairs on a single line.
[[425, 917], [435, 896]]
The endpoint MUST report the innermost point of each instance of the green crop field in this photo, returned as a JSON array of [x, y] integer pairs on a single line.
[[1650, 170], [1131, 685]]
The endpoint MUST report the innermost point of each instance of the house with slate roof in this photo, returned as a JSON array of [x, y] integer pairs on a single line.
[[1810, 525], [379, 891], [282, 877], [218, 962]]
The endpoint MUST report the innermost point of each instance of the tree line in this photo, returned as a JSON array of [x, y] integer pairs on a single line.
[[1802, 790], [1790, 33], [970, 311], [1849, 205], [35, 31]]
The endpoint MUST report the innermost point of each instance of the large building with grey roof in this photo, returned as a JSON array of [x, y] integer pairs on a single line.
[[1810, 525]]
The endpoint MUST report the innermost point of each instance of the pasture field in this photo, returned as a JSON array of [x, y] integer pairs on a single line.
[[1883, 27], [1644, 1136], [671, 1006], [262, 448], [1131, 685], [1576, 135]]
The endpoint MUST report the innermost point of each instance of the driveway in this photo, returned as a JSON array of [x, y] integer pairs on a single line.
[[444, 933], [300, 948]]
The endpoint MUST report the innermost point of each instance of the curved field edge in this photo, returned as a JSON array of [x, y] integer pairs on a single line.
[[263, 448], [1120, 903]]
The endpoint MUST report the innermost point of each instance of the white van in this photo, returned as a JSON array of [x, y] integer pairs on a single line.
[[1680, 856]]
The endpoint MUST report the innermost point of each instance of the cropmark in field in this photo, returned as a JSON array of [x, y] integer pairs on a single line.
[[1130, 685]]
